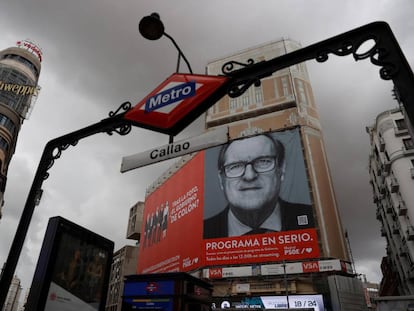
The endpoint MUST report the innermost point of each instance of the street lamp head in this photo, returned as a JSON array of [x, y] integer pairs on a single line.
[[151, 27]]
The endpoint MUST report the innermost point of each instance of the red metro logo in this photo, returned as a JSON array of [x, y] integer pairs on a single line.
[[151, 287]]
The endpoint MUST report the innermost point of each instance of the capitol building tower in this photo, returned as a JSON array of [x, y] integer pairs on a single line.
[[19, 74]]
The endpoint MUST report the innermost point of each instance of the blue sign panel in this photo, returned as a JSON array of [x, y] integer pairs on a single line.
[[154, 288], [170, 96]]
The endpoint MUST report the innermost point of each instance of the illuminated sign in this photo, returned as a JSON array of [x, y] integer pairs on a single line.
[[31, 47], [18, 88], [314, 302]]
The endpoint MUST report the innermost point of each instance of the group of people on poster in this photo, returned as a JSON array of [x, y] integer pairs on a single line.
[[156, 225]]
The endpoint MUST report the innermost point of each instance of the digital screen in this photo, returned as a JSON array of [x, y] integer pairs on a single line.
[[78, 275], [72, 271]]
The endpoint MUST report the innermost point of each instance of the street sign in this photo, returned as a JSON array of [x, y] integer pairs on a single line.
[[179, 148], [174, 99]]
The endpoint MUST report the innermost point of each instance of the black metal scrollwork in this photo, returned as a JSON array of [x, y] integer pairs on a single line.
[[124, 106], [116, 124], [230, 66], [241, 87], [376, 54], [122, 129], [54, 155]]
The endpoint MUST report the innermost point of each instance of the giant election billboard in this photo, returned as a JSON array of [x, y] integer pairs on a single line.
[[244, 202]]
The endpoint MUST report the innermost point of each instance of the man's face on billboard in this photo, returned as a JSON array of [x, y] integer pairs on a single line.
[[250, 176]]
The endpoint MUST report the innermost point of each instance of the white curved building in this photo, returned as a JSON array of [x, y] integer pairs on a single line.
[[391, 166]]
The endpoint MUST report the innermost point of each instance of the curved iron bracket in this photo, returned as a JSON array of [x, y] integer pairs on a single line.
[[115, 123]]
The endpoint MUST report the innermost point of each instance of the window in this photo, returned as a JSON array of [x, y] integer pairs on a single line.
[[7, 123], [258, 94], [23, 61], [408, 143], [245, 100], [401, 125], [4, 144], [285, 86], [301, 89], [233, 103]]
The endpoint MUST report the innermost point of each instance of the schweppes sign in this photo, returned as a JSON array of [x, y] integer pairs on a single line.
[[18, 88]]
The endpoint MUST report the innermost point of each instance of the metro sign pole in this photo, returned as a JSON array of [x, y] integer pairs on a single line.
[[154, 113]]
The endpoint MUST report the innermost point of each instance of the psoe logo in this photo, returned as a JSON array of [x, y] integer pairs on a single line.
[[170, 96]]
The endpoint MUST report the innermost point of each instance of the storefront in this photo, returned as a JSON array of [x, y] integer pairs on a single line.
[[166, 292]]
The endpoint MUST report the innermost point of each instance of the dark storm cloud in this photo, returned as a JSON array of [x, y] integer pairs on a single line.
[[94, 59]]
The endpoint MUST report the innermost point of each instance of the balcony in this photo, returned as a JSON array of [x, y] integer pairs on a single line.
[[378, 214], [395, 229], [388, 208], [381, 144], [400, 131], [410, 233], [394, 185], [403, 251], [386, 167], [402, 209]]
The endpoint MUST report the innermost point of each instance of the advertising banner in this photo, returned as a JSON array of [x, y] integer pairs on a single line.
[[172, 222], [243, 202]]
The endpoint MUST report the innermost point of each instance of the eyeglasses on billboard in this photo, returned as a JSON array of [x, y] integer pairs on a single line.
[[259, 165]]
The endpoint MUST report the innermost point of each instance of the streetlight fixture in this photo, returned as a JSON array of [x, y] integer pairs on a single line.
[[152, 28]]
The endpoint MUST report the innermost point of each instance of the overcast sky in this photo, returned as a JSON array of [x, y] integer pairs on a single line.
[[95, 59]]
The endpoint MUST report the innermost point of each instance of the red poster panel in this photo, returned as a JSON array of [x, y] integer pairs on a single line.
[[275, 246], [173, 222]]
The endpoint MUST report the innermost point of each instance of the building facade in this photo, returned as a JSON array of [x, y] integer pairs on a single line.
[[19, 74], [391, 167], [13, 296], [268, 270], [124, 261]]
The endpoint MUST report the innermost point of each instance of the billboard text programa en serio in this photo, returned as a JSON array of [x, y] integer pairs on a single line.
[[197, 217]]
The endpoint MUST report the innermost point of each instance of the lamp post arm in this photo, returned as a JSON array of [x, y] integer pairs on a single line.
[[52, 151], [180, 53]]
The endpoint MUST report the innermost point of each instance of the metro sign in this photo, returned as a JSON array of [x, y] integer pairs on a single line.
[[173, 100]]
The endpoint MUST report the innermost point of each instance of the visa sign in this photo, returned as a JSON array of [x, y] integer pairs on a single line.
[[170, 96]]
